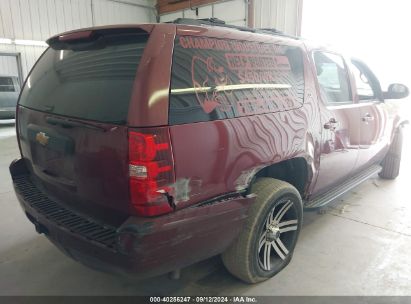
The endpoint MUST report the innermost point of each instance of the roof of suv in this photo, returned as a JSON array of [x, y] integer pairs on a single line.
[[184, 26], [150, 106]]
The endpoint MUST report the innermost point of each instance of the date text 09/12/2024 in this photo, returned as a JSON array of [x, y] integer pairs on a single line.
[[204, 299]]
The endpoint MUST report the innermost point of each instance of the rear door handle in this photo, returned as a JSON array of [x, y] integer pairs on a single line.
[[367, 117], [330, 125]]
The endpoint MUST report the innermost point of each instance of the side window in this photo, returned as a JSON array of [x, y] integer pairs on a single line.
[[215, 79], [365, 81], [6, 84], [332, 77]]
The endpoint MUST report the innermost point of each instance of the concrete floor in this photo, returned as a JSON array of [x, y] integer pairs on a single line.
[[361, 246]]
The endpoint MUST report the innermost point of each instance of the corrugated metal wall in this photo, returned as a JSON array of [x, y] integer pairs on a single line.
[[40, 19], [29, 55], [119, 11], [8, 66], [284, 15], [233, 12]]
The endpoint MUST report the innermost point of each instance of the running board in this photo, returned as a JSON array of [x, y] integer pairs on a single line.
[[346, 186]]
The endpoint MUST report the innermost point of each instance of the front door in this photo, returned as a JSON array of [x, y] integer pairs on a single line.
[[375, 122], [340, 118]]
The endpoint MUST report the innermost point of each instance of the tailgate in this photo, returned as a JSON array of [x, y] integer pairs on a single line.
[[72, 120]]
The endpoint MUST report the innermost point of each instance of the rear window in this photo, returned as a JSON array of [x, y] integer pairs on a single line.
[[92, 82], [7, 85], [219, 78]]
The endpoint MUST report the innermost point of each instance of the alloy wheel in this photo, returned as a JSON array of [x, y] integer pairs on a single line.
[[278, 235]]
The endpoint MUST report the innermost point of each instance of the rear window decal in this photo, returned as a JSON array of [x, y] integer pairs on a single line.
[[216, 79]]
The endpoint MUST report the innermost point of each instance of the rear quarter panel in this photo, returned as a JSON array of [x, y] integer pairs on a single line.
[[222, 156]]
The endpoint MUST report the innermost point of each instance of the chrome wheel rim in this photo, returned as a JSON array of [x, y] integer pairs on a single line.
[[278, 235]]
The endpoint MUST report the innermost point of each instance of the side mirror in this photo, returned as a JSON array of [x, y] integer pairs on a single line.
[[396, 91]]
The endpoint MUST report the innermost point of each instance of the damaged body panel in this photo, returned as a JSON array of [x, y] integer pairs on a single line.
[[143, 246]]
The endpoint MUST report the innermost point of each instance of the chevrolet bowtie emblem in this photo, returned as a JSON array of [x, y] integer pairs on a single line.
[[42, 138]]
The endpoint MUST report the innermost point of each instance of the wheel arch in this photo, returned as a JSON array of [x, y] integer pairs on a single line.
[[296, 171], [399, 122]]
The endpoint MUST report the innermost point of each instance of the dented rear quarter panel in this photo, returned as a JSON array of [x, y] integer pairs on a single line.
[[169, 242], [222, 156]]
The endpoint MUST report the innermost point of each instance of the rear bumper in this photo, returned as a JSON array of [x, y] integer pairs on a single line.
[[144, 246], [7, 113]]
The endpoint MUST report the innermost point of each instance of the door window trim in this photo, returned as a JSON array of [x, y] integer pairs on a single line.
[[375, 83], [347, 71]]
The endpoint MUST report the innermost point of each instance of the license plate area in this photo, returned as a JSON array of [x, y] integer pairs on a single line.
[[51, 152]]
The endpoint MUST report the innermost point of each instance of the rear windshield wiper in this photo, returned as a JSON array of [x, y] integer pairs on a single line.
[[68, 123]]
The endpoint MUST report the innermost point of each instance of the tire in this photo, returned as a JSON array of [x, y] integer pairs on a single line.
[[392, 161], [266, 233]]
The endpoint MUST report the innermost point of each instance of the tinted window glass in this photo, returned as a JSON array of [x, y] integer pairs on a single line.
[[217, 79], [332, 77], [6, 84], [92, 82]]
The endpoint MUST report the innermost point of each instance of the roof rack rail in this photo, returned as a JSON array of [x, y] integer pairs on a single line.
[[211, 22], [219, 22], [272, 30]]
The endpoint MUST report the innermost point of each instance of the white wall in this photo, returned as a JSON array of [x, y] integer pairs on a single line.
[[8, 66], [377, 32], [29, 55], [41, 19], [123, 11], [284, 15], [232, 12]]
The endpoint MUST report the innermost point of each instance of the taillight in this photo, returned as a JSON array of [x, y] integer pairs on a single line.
[[151, 171]]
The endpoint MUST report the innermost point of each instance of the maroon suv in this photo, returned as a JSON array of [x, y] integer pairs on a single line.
[[146, 148]]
